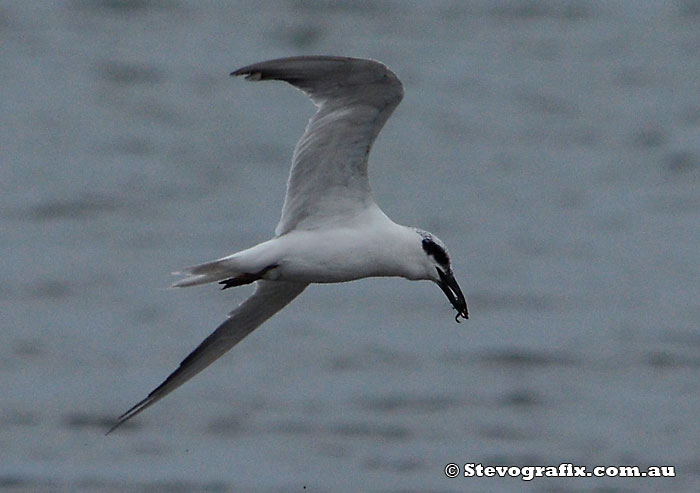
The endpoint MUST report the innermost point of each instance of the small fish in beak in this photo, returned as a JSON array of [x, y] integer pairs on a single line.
[[449, 286]]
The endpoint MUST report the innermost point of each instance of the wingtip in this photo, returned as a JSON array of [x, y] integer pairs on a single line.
[[133, 411], [252, 76], [113, 428], [120, 421]]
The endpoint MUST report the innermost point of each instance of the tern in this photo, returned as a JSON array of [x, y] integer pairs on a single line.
[[331, 229]]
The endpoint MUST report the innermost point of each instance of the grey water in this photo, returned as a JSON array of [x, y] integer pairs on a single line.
[[554, 146]]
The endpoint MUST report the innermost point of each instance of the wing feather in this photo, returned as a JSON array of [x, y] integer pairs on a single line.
[[269, 298], [328, 181]]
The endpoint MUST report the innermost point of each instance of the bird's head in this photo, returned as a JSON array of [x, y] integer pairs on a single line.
[[437, 267]]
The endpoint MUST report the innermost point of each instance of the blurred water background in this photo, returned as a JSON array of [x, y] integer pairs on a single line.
[[554, 146]]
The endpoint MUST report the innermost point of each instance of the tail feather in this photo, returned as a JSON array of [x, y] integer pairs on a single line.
[[218, 270]]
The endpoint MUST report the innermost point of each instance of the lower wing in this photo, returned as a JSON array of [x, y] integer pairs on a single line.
[[269, 298]]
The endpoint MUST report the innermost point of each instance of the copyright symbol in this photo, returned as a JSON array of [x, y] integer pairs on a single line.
[[451, 470]]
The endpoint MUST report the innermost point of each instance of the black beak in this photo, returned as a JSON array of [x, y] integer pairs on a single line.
[[451, 289]]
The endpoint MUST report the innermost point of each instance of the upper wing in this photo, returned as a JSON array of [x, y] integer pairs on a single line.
[[269, 298], [355, 97]]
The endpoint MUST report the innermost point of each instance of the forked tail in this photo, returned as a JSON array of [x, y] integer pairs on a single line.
[[217, 270]]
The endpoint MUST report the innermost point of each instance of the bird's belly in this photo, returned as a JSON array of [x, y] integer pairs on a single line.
[[302, 270], [330, 261], [334, 255]]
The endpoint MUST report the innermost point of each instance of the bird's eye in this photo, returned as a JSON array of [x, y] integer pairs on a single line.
[[436, 251]]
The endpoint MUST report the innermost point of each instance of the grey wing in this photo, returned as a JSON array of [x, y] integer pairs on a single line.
[[269, 298], [355, 97]]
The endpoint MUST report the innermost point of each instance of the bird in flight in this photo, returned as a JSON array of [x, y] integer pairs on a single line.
[[331, 229]]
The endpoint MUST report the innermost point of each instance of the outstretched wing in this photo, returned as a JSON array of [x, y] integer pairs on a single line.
[[328, 181], [269, 298]]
